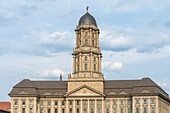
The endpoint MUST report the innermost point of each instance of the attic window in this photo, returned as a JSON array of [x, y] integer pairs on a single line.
[[58, 93], [145, 91], [123, 93], [23, 92], [47, 93], [112, 93]]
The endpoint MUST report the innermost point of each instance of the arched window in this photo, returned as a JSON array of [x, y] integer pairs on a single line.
[[94, 67], [92, 42], [86, 67], [70, 110], [86, 42]]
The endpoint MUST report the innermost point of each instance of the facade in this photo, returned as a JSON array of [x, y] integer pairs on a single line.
[[86, 90]]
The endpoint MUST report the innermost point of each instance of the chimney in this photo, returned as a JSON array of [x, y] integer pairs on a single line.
[[60, 76]]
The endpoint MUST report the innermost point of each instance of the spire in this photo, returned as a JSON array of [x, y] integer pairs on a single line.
[[87, 8]]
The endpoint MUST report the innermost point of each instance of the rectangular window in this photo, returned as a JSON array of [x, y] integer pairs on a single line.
[[92, 42], [121, 102], [144, 101], [92, 34], [78, 102], [153, 101], [86, 34], [98, 102], [137, 101], [56, 103], [84, 110], [63, 102], [91, 102], [16, 110], [94, 67], [31, 110], [114, 102], [49, 110], [23, 102], [77, 110], [15, 102], [41, 111], [70, 102], [23, 110], [145, 110], [49, 103], [129, 110], [107, 110], [85, 102], [70, 110], [86, 42], [129, 102], [92, 110], [86, 67], [152, 110], [31, 102], [99, 110], [107, 102], [121, 110], [85, 57], [114, 110], [56, 110], [63, 110], [137, 110]]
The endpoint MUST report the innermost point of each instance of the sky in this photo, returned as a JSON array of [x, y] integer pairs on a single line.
[[37, 38]]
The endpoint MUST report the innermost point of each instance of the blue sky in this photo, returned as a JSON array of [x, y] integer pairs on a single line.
[[37, 38]]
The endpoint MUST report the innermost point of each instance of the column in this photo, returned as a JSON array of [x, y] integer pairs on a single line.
[[90, 35], [59, 106], [95, 108], [157, 102], [19, 104], [97, 38], [80, 62], [76, 39], [99, 63], [74, 64], [103, 106], [88, 106], [140, 103], [52, 106], [74, 106], [111, 106], [12, 105], [81, 106], [26, 105], [91, 63], [66, 104]]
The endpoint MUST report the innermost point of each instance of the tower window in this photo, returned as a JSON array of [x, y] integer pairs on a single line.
[[92, 110], [23, 110], [107, 110], [94, 67], [94, 58], [121, 110], [92, 42], [56, 111], [49, 110], [145, 110], [85, 111], [86, 42], [85, 66], [137, 110], [80, 42], [86, 34], [77, 110], [144, 101], [85, 57]]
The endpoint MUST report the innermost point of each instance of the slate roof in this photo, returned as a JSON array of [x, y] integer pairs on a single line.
[[144, 86]]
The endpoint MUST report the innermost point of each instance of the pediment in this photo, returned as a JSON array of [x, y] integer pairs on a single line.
[[84, 91]]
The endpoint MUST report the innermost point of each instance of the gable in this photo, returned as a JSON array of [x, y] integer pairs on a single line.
[[84, 91]]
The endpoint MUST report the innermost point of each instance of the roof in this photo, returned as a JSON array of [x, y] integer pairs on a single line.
[[143, 86], [87, 19], [4, 109], [5, 104]]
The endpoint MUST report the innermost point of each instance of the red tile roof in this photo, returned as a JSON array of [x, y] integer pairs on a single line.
[[4, 109], [5, 104]]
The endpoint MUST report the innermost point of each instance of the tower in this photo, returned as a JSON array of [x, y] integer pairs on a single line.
[[87, 55]]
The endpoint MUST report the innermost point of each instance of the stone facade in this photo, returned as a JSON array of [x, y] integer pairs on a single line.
[[86, 91]]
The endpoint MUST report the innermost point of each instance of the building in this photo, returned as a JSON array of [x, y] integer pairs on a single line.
[[86, 90], [5, 107]]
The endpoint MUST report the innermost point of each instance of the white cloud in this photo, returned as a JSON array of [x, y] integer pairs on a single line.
[[112, 66], [124, 39], [51, 73]]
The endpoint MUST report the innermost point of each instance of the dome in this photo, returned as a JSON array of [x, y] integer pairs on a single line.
[[87, 19]]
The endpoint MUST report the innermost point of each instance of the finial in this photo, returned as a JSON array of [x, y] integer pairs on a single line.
[[87, 8]]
